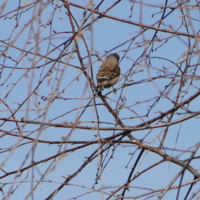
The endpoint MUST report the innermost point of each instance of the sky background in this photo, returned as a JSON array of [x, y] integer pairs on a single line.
[[69, 84]]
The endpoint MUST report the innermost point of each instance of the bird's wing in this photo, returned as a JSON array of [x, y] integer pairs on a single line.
[[108, 70]]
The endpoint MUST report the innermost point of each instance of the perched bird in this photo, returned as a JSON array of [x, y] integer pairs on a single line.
[[109, 72]]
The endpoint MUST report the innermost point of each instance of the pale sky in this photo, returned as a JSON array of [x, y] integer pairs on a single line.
[[105, 35]]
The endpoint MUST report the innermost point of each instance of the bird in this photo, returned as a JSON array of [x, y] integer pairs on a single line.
[[109, 72]]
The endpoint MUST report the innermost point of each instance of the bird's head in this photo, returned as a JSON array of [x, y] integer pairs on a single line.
[[113, 56]]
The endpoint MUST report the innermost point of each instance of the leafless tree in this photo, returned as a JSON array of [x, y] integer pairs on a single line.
[[61, 138]]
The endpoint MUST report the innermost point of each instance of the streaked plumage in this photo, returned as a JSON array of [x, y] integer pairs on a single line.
[[109, 72]]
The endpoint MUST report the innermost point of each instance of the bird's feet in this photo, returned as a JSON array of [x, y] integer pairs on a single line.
[[114, 90]]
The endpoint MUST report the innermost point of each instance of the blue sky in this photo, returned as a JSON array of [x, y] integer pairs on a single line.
[[105, 35]]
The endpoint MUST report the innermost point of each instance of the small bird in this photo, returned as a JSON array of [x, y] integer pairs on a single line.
[[109, 72]]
